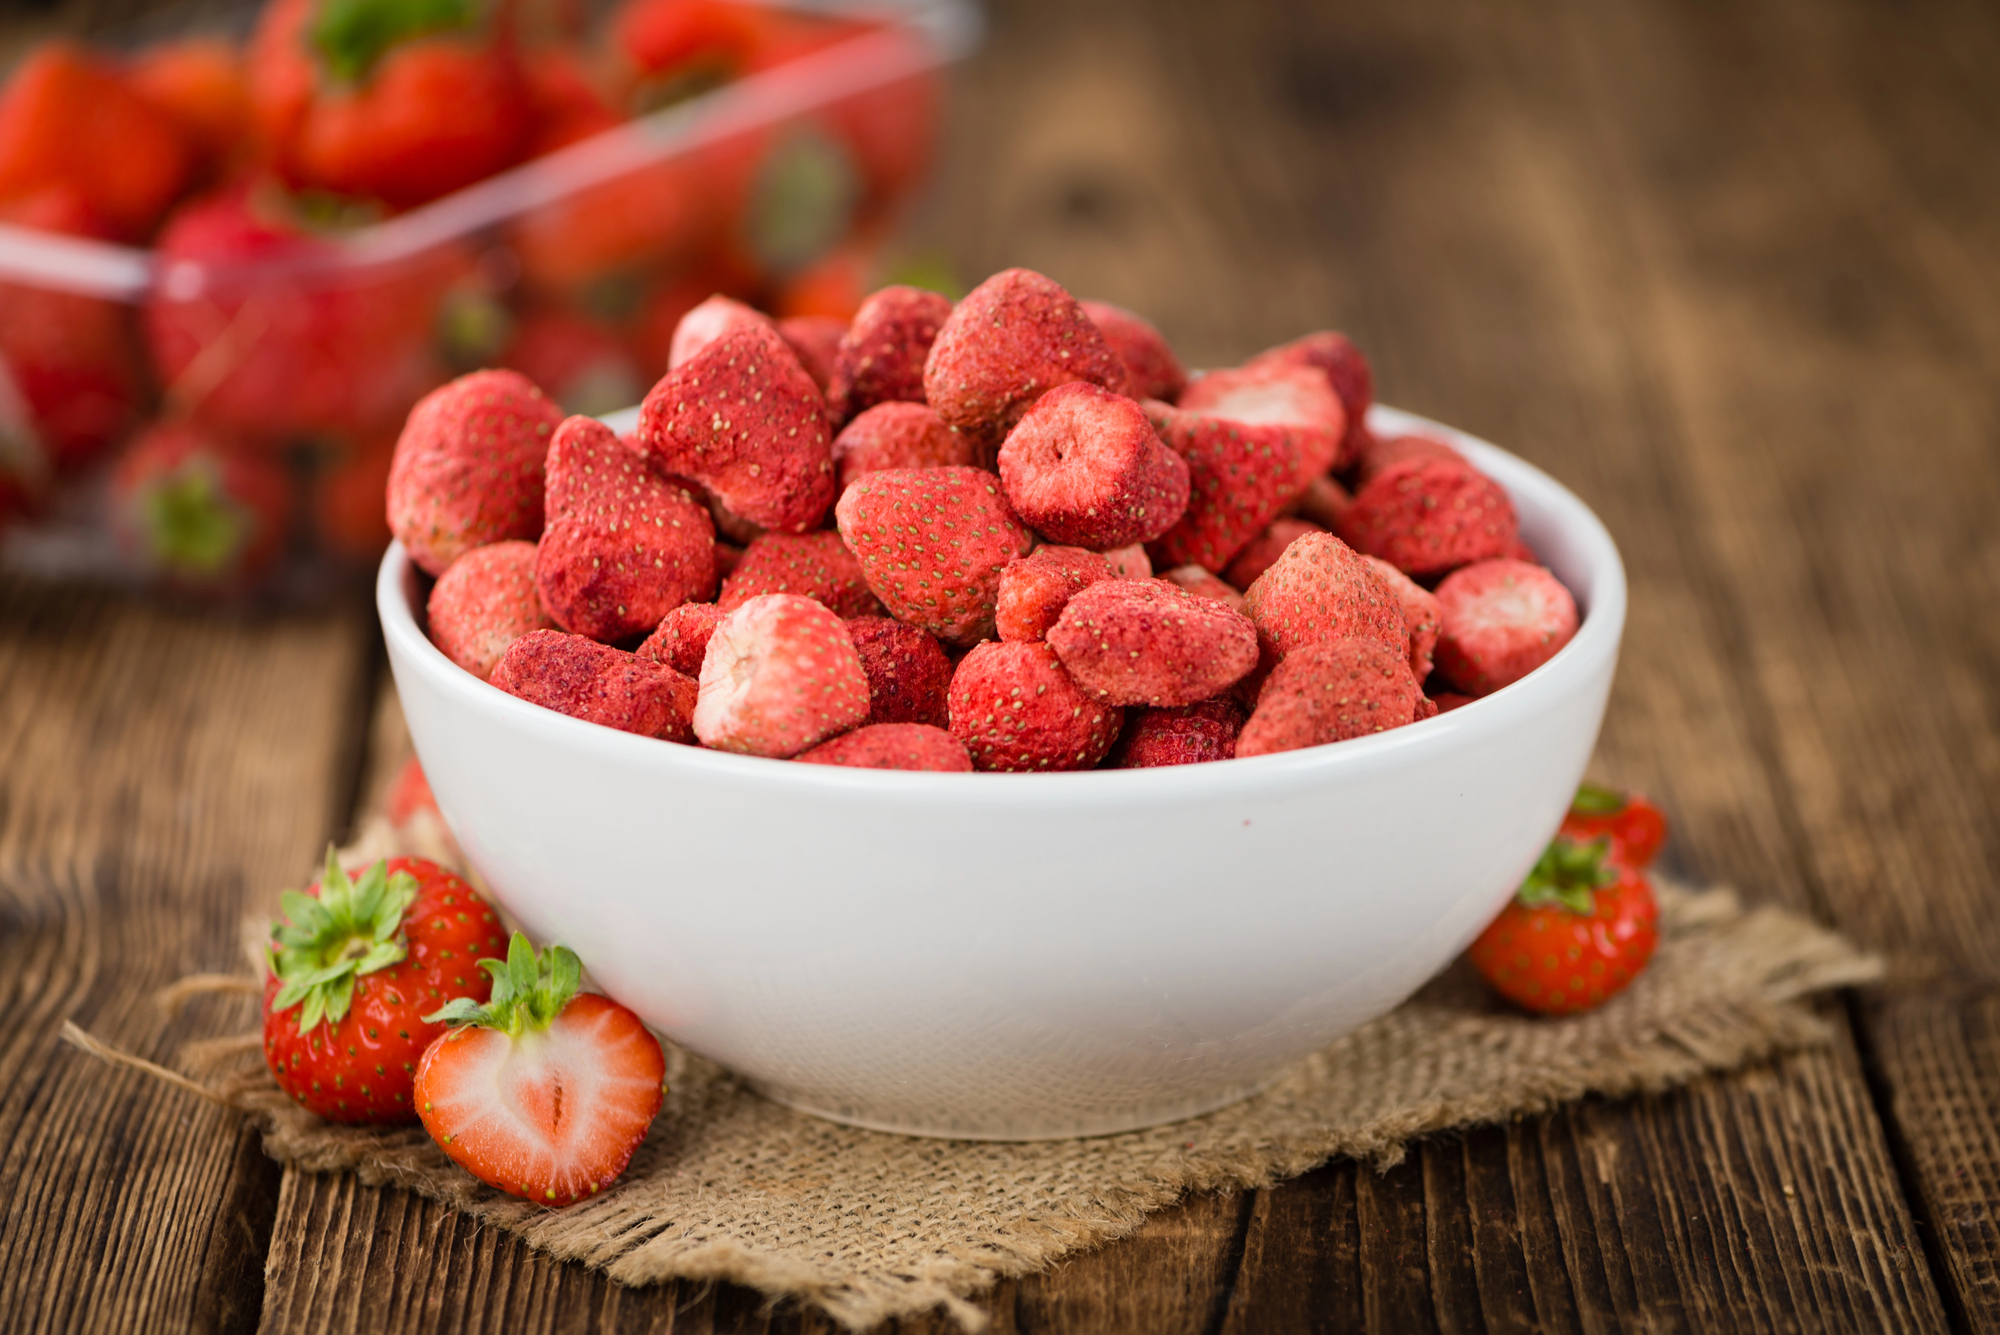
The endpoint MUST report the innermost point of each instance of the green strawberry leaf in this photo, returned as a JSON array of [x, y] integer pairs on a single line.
[[350, 929], [1568, 873], [351, 36], [1594, 799], [529, 992]]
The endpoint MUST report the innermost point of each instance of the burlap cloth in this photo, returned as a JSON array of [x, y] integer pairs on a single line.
[[870, 1226]]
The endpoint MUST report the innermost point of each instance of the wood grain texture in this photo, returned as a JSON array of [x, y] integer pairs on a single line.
[[159, 773]]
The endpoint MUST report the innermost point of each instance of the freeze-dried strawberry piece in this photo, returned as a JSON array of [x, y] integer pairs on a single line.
[[816, 340], [1130, 562], [1155, 372], [1265, 548], [744, 419], [1085, 467], [897, 435], [1296, 398], [817, 565], [1502, 620], [1016, 709], [881, 357], [706, 323], [598, 684], [727, 554], [1035, 588], [1180, 735], [1386, 452], [933, 542], [1330, 691], [681, 642], [1446, 701], [1421, 614], [484, 603], [1147, 642], [781, 675], [1202, 584], [1345, 369], [1323, 502], [1427, 516], [908, 673], [624, 546], [1014, 338], [918, 746], [1239, 479], [1321, 589], [468, 467]]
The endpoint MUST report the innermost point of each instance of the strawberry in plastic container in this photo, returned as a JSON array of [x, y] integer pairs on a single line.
[[261, 326], [401, 101], [70, 383], [198, 514]]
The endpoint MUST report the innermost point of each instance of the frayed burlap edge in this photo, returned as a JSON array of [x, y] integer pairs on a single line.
[[869, 1226]]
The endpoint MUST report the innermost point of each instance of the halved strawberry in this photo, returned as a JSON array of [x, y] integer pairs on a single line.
[[545, 1091]]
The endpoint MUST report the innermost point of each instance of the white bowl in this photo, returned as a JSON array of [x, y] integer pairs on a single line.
[[1017, 956]]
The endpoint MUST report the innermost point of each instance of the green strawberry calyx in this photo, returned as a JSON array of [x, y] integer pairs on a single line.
[[1568, 873], [1594, 799], [352, 35], [529, 990], [352, 929]]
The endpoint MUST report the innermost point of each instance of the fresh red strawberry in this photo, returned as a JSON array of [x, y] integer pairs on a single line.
[[681, 641], [1633, 824], [544, 1091], [1017, 709], [1579, 931], [709, 321], [196, 513], [409, 795], [1295, 398], [484, 603], [1321, 589], [917, 746], [1329, 691], [73, 361], [1148, 642], [263, 327], [744, 419], [933, 542], [1240, 478], [349, 520], [816, 340], [1265, 549], [678, 46], [1422, 616], [624, 545], [598, 684], [385, 99], [1085, 467], [1014, 337], [1155, 371], [596, 246], [881, 356], [909, 676], [469, 467], [1182, 735], [355, 973], [830, 287], [1335, 356], [1428, 516], [1501, 620], [1035, 588], [897, 435], [66, 120], [201, 84], [569, 105], [781, 675], [817, 565], [579, 363]]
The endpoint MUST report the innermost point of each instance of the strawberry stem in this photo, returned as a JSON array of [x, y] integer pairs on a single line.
[[1594, 799], [529, 990], [1568, 873], [352, 35], [352, 929]]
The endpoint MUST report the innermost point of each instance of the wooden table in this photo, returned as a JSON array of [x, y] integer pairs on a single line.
[[1732, 273]]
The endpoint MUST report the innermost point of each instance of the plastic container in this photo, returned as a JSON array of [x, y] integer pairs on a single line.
[[574, 267]]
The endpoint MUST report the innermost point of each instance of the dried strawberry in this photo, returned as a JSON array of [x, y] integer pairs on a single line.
[[1179, 735], [908, 673], [1428, 516], [1297, 399], [1035, 588], [1155, 372], [598, 684], [1385, 452], [781, 675], [1265, 549], [1015, 708], [897, 435], [1148, 642], [933, 542], [681, 641], [1502, 619], [484, 603], [709, 321], [1204, 585], [1422, 616], [1085, 467], [916, 746], [1321, 589], [1330, 691], [817, 565], [881, 357], [469, 467], [1336, 357], [1239, 480], [816, 340]]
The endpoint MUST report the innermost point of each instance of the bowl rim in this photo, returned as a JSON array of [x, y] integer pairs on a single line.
[[1597, 637]]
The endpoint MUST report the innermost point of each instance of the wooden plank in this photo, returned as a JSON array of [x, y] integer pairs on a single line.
[[160, 772]]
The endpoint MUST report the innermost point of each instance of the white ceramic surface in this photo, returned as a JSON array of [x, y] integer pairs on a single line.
[[1020, 955]]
